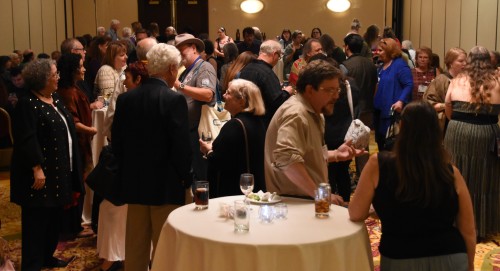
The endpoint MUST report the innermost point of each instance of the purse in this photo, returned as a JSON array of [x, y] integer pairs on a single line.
[[358, 131], [212, 118], [103, 179], [393, 131]]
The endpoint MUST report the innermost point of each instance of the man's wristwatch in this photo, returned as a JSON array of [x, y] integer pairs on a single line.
[[182, 86]]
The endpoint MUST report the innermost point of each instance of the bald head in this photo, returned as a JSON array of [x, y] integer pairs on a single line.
[[144, 46]]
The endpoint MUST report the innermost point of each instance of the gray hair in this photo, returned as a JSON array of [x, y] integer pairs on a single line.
[[126, 32], [407, 45], [37, 72], [244, 89], [270, 47], [144, 46], [161, 57], [115, 22]]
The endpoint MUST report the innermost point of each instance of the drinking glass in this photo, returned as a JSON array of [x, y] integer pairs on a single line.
[[241, 216], [201, 195], [246, 183], [266, 214], [280, 210], [321, 202]]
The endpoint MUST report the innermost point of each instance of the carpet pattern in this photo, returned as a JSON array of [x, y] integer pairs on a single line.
[[487, 254]]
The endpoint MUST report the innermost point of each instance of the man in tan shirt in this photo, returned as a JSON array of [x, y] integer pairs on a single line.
[[296, 156]]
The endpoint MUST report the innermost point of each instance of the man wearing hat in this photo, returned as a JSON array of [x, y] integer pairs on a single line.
[[197, 83]]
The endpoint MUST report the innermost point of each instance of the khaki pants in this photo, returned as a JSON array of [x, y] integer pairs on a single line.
[[144, 225]]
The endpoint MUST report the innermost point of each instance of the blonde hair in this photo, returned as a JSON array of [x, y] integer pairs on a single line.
[[244, 89]]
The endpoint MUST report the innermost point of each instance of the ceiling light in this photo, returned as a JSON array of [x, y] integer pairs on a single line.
[[251, 6], [338, 5]]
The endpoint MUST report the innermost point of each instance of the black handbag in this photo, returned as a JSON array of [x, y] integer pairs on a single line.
[[393, 131], [103, 179]]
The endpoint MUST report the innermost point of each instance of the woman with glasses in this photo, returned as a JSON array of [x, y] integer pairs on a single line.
[[316, 33], [394, 88], [45, 172]]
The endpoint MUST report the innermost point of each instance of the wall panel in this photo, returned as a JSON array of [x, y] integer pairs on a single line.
[[468, 25], [60, 22], [7, 42], [49, 27], [452, 32], [426, 20], [35, 25], [438, 27], [415, 22], [406, 20], [21, 24], [486, 23]]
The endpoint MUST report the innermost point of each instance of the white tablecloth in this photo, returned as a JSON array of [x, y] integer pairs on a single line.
[[201, 240], [99, 139]]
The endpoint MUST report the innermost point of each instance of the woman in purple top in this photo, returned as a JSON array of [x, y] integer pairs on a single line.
[[395, 83]]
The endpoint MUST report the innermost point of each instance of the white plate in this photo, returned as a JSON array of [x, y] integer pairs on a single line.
[[263, 202]]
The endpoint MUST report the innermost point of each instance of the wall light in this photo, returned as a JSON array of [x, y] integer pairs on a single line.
[[251, 6], [338, 5]]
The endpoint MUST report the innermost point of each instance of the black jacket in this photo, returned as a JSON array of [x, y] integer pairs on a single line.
[[151, 143]]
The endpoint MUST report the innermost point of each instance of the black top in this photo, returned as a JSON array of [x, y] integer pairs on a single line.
[[262, 74], [410, 231], [41, 138], [365, 74], [151, 143], [254, 47], [337, 124], [228, 160]]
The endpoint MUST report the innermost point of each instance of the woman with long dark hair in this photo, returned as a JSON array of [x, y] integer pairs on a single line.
[[420, 197], [472, 104]]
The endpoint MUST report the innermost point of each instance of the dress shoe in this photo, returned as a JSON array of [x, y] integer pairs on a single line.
[[55, 262]]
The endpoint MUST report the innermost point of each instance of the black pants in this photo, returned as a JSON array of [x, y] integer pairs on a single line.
[[340, 180], [40, 233]]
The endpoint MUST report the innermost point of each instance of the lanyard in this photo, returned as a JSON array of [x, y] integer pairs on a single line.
[[186, 72]]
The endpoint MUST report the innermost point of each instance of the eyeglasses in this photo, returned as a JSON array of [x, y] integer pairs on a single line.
[[79, 49], [56, 75], [315, 32], [331, 90], [279, 53]]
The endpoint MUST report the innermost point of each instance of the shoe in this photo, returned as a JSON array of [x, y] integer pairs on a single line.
[[85, 233], [55, 262], [114, 267]]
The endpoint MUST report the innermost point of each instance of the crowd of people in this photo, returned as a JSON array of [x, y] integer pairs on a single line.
[[438, 187]]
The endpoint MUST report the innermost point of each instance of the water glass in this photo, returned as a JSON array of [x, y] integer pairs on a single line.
[[201, 195], [280, 210], [266, 214], [241, 216]]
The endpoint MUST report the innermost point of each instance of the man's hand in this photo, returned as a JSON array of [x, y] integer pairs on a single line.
[[347, 151], [337, 200]]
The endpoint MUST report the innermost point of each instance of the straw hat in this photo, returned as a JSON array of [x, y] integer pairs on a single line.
[[189, 39]]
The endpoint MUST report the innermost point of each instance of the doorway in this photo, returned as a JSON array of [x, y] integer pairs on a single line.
[[189, 16]]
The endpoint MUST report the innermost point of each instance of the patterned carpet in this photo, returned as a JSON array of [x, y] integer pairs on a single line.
[[487, 254]]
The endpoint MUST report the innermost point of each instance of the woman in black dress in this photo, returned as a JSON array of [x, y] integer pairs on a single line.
[[227, 156]]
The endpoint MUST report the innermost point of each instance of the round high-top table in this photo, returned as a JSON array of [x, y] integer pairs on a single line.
[[203, 240]]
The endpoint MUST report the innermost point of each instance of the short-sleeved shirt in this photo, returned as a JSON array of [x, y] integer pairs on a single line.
[[295, 135], [202, 75]]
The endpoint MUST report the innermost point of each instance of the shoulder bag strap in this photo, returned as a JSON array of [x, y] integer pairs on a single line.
[[246, 143], [349, 98]]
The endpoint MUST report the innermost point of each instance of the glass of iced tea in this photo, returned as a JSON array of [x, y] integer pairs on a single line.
[[321, 202], [201, 195]]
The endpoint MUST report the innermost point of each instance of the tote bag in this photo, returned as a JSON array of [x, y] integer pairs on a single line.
[[213, 118]]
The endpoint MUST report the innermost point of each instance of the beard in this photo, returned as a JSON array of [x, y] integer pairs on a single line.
[[327, 110]]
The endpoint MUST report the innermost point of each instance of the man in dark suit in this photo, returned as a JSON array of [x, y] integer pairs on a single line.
[[151, 143]]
